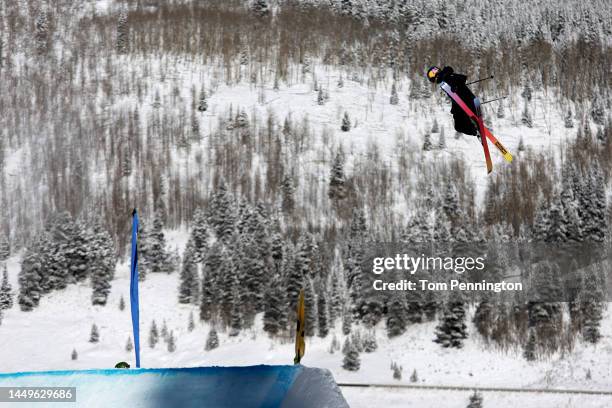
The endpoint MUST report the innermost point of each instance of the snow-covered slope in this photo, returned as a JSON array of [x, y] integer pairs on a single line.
[[44, 339]]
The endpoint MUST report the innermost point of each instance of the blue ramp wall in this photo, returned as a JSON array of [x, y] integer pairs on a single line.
[[231, 387]]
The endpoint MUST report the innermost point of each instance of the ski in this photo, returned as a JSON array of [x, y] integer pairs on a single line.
[[447, 89], [483, 140]]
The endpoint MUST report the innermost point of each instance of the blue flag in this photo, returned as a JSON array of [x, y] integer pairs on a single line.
[[134, 288]]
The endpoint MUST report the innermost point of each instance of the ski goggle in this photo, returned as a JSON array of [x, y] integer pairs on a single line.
[[432, 73]]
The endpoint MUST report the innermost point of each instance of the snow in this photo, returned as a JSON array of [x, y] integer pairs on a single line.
[[363, 398], [64, 318], [364, 96]]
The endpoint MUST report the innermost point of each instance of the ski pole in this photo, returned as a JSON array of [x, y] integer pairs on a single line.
[[493, 100], [480, 80]]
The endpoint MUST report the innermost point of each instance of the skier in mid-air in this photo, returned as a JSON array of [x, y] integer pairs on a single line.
[[466, 109], [463, 123]]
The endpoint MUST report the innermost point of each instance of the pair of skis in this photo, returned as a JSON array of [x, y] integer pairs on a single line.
[[482, 130]]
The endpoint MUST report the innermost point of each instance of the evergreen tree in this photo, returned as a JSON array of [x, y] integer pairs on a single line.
[[527, 91], [276, 248], [143, 252], [593, 205], [569, 121], [347, 321], [164, 331], [212, 277], [310, 306], [212, 341], [586, 131], [5, 248], [442, 140], [557, 231], [261, 8], [369, 307], [185, 139], [484, 317], [450, 203], [334, 346], [571, 206], [235, 316], [336, 296], [129, 346], [529, 351], [346, 123], [351, 361], [337, 181], [526, 116], [221, 215], [435, 128], [121, 304], [397, 372], [6, 295], [418, 231], [500, 110], [427, 145], [397, 319], [102, 261], [274, 318], [598, 110], [31, 283], [66, 250], [323, 314], [320, 97], [369, 342], [475, 400], [292, 274], [158, 256], [171, 342], [306, 66], [452, 329], [94, 336], [189, 276], [191, 323], [199, 235], [521, 146], [244, 55], [228, 291], [346, 7], [430, 306], [591, 307], [414, 377], [544, 311], [41, 33], [153, 335], [242, 119], [288, 195], [74, 356], [394, 100], [202, 103], [122, 32], [253, 264]]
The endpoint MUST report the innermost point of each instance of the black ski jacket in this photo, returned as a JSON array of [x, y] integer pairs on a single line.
[[463, 123]]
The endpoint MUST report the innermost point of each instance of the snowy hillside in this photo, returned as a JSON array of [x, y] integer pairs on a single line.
[[265, 146], [63, 321]]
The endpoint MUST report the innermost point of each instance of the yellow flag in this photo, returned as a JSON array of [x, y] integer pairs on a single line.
[[300, 345]]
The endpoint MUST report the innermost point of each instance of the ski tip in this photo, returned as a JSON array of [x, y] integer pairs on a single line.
[[508, 157]]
